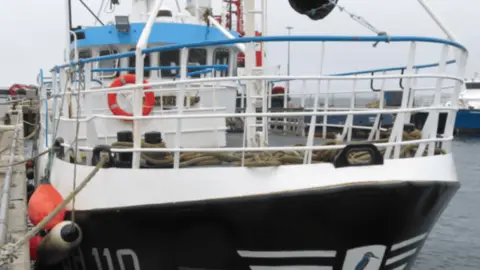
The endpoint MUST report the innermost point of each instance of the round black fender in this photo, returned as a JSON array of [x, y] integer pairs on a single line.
[[372, 152], [58, 148], [58, 243], [96, 155], [314, 9]]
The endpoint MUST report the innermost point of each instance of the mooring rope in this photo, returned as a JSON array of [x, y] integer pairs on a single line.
[[26, 160], [7, 252]]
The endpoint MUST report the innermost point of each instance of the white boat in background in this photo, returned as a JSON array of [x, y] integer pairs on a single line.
[[468, 115], [470, 97], [135, 127]]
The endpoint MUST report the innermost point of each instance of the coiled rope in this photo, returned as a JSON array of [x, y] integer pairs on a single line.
[[263, 159]]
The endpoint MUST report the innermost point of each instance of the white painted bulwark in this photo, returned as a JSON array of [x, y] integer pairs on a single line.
[[115, 188]]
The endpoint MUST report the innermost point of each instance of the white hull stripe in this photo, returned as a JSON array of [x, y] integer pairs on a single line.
[[408, 242], [401, 256], [288, 254], [291, 267], [401, 267]]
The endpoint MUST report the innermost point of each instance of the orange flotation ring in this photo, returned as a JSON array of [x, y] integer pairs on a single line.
[[148, 102]]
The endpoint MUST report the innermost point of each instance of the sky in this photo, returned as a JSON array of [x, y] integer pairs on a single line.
[[33, 36]]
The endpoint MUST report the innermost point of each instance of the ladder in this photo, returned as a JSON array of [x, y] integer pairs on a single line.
[[256, 91]]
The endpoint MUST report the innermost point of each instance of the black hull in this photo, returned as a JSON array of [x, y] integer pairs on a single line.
[[208, 235]]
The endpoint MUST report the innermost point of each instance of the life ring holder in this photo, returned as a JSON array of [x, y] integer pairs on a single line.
[[148, 102]]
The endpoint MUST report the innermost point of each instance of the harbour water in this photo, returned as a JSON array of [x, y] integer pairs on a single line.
[[455, 240], [454, 243]]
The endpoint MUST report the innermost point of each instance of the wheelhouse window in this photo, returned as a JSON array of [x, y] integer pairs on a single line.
[[241, 60], [81, 54], [146, 63], [164, 13], [111, 63], [221, 56], [170, 58], [197, 57]]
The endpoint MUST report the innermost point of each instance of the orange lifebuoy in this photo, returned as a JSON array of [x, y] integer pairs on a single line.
[[148, 103]]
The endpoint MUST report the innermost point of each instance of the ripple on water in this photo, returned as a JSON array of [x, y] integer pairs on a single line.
[[454, 242]]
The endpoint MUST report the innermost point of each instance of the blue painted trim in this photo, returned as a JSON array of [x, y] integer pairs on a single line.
[[193, 73], [393, 69], [41, 77], [161, 32], [379, 70], [203, 71], [218, 67], [273, 39]]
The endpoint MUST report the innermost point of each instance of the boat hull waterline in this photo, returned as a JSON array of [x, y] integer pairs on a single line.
[[373, 225]]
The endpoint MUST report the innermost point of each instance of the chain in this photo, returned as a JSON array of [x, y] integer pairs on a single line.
[[354, 17]]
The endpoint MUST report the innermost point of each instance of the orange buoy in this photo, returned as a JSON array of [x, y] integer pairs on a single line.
[[34, 243], [43, 201], [148, 103]]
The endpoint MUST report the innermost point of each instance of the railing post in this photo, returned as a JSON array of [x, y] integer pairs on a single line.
[[53, 99], [325, 109], [431, 124], [375, 131], [350, 117], [397, 130], [91, 132], [138, 93], [180, 105], [249, 6], [451, 116], [64, 86], [137, 107], [411, 97], [307, 159]]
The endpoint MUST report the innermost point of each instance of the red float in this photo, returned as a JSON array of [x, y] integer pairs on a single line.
[[34, 243], [43, 201]]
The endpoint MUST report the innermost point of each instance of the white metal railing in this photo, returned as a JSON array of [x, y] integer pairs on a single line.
[[330, 112], [411, 78]]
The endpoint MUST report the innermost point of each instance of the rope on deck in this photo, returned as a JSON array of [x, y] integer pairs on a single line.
[[265, 159]]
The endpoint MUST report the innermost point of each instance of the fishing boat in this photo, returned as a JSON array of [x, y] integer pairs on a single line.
[[141, 173], [468, 115]]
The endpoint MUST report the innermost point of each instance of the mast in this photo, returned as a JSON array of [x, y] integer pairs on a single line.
[[249, 25], [68, 26]]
